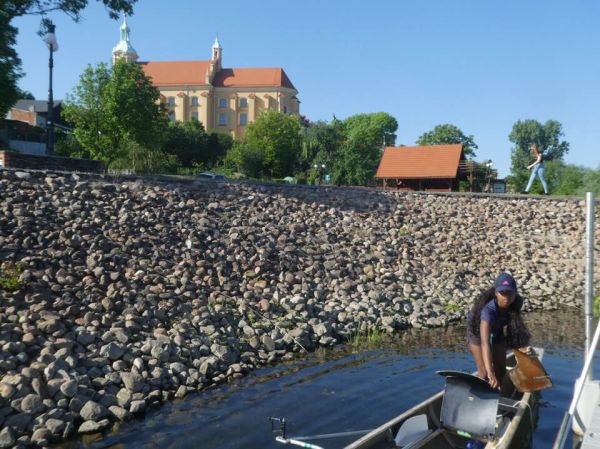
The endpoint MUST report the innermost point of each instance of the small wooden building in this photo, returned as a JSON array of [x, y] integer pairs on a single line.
[[432, 167]]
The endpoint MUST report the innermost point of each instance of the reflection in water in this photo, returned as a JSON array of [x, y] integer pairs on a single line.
[[342, 390]]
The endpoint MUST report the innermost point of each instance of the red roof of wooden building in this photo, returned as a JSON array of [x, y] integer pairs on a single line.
[[423, 162]]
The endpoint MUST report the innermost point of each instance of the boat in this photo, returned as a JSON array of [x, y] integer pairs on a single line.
[[467, 414]]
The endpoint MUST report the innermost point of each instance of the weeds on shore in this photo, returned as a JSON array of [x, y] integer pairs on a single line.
[[9, 276], [368, 338]]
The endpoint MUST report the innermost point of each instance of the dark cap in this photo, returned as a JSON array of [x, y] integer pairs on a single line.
[[505, 283]]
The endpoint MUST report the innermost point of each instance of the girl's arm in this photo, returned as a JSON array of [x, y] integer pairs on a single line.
[[486, 349], [538, 159]]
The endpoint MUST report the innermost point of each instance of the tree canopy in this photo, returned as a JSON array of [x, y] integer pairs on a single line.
[[110, 106], [10, 64], [448, 134], [524, 133], [364, 137], [271, 146]]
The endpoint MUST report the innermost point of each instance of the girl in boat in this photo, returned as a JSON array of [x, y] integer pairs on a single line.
[[495, 309]]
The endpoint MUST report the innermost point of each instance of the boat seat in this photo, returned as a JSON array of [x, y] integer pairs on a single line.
[[469, 406], [413, 430]]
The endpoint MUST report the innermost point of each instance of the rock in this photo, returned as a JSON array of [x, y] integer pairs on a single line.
[[137, 407], [7, 438], [132, 381], [41, 437], [92, 411], [119, 413], [112, 350], [7, 391], [32, 404], [55, 426], [69, 388], [93, 426]]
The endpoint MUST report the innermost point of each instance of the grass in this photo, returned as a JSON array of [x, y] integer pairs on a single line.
[[9, 276], [362, 339]]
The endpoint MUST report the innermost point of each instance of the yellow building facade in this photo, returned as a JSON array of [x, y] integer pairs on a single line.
[[223, 99]]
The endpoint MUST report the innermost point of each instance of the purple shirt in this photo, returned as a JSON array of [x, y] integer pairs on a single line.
[[497, 319]]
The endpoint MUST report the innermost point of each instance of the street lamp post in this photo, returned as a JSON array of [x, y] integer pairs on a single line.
[[320, 170], [50, 40]]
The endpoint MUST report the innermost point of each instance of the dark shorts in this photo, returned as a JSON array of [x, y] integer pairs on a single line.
[[476, 340]]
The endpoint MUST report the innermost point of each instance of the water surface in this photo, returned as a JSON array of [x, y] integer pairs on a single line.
[[344, 390]]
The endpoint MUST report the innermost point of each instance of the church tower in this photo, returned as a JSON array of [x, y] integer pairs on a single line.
[[215, 61], [123, 50], [217, 52]]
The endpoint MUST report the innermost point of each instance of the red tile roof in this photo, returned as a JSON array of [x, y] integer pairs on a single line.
[[433, 161], [261, 77], [193, 73], [176, 73]]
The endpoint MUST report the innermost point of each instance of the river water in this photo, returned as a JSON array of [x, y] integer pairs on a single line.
[[345, 389]]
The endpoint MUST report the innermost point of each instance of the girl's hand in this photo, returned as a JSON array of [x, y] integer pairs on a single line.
[[493, 382]]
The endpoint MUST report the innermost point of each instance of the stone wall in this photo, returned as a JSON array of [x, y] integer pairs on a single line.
[[134, 291], [9, 159]]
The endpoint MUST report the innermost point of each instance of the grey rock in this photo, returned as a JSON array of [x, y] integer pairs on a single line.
[[92, 411], [7, 438], [93, 426], [32, 404], [132, 381], [137, 407]]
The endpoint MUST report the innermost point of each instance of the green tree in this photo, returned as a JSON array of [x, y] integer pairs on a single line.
[[276, 137], [24, 94], [109, 107], [10, 64], [524, 133], [563, 179], [591, 182], [359, 153], [86, 110], [448, 134], [187, 141], [321, 142]]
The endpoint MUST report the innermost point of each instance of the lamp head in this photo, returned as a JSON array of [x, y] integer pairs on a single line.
[[50, 38]]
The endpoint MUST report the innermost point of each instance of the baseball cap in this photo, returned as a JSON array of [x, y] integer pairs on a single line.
[[505, 283]]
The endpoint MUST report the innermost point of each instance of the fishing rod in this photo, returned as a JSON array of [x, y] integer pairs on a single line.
[[281, 436]]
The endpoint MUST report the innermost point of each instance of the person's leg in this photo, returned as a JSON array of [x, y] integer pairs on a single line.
[[499, 356], [531, 178], [540, 174], [478, 356]]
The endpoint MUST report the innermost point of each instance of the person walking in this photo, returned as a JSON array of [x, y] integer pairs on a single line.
[[495, 309], [537, 168]]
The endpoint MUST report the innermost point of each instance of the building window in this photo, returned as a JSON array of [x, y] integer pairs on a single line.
[[243, 102], [195, 101], [172, 116], [222, 118], [195, 115], [170, 101], [285, 109], [243, 118], [222, 102]]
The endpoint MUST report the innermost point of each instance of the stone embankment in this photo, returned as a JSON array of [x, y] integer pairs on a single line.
[[133, 292]]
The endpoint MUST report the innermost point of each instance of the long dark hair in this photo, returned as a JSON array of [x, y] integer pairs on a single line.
[[517, 334]]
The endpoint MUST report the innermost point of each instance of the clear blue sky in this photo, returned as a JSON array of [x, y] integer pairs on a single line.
[[480, 65]]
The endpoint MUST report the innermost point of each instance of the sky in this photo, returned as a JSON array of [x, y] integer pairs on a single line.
[[480, 65]]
